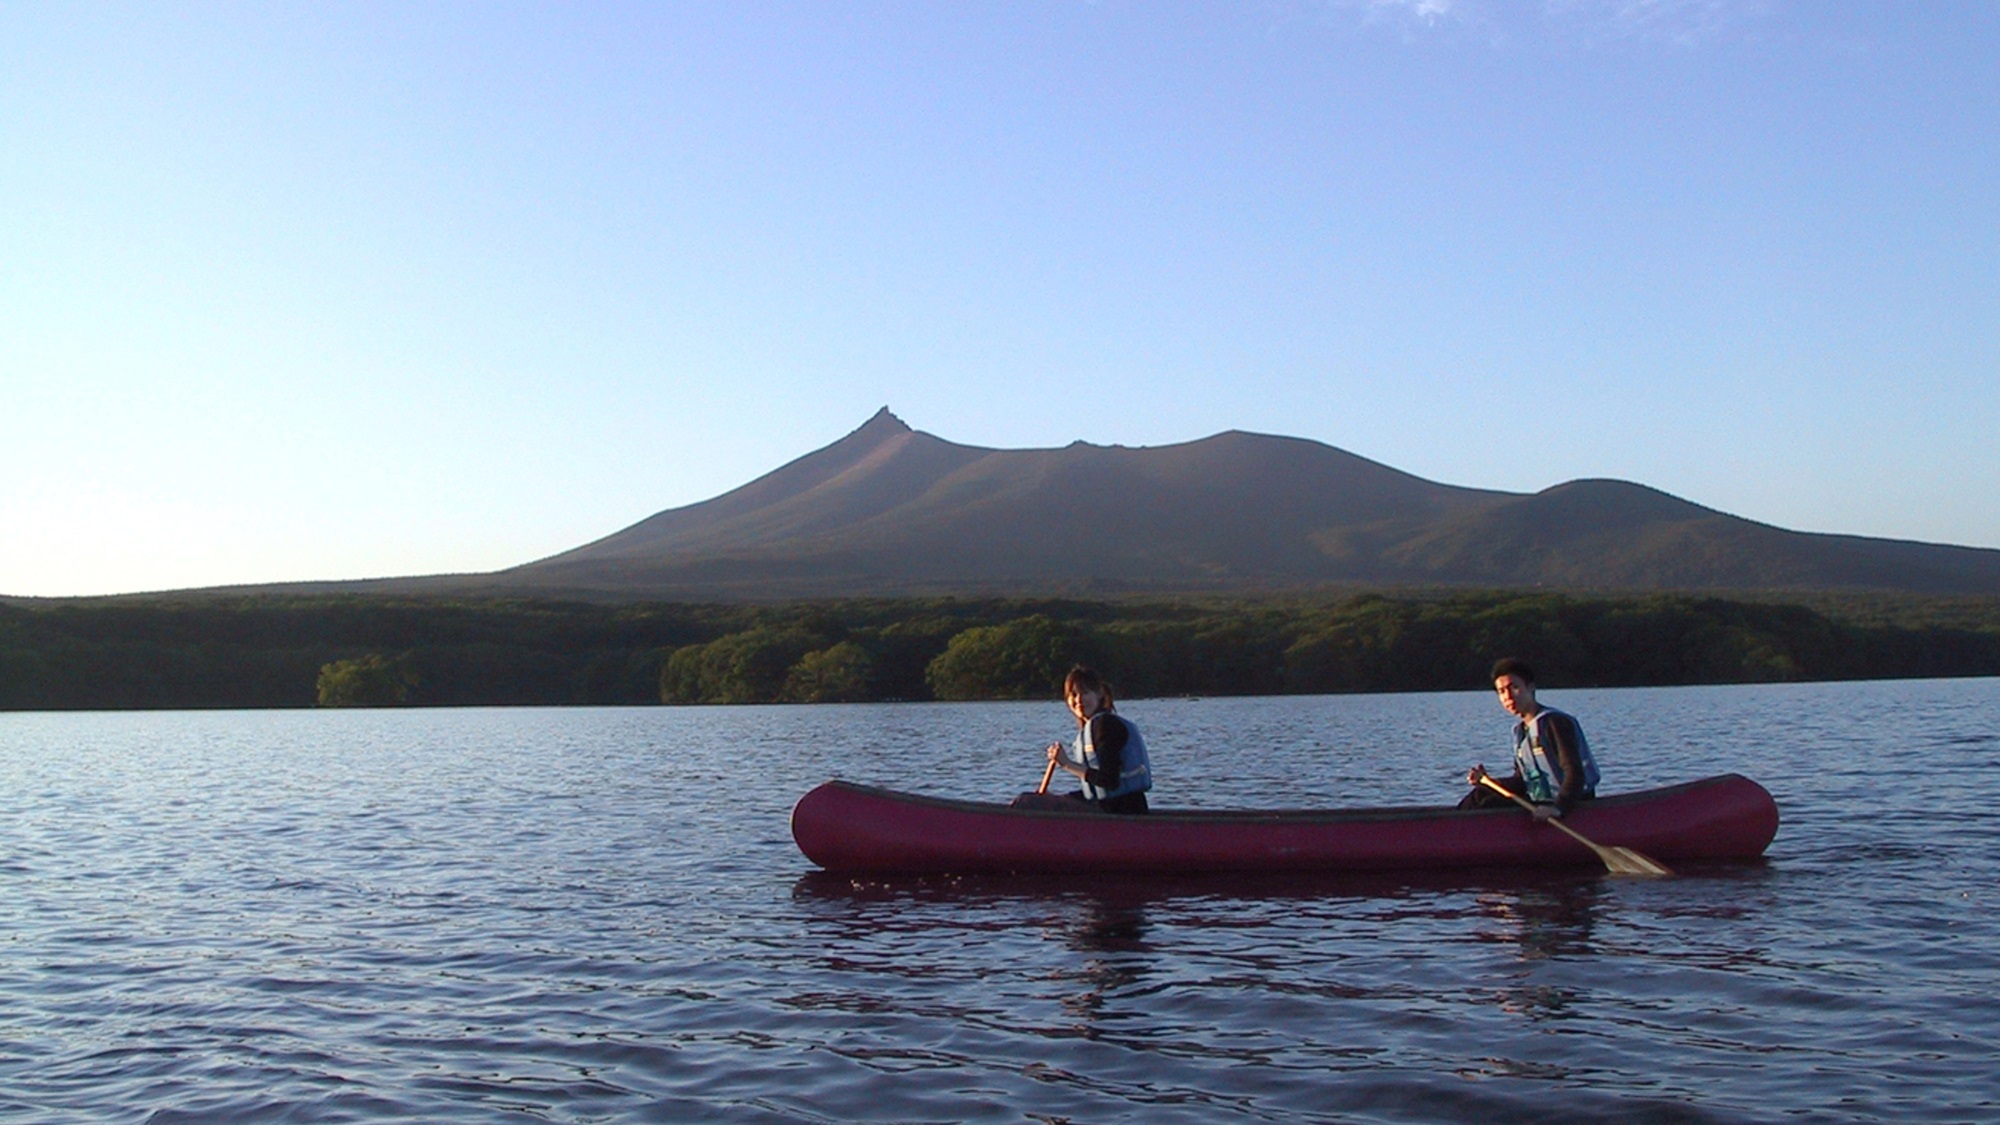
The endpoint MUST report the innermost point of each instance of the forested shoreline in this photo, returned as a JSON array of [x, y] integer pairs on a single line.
[[298, 651]]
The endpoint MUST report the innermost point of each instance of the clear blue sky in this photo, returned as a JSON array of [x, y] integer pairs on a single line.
[[301, 291]]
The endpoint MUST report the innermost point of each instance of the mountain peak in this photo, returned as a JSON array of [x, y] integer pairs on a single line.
[[884, 422]]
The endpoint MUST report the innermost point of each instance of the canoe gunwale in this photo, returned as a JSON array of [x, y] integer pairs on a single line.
[[1260, 816]]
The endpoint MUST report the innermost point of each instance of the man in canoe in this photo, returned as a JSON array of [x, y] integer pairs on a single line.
[[1109, 756], [1552, 762]]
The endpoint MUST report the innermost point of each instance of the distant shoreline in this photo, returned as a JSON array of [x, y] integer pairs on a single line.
[[297, 651]]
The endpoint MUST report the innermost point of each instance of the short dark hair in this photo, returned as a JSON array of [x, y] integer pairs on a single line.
[[1510, 666]]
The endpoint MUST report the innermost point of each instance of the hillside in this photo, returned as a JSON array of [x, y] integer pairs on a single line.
[[891, 510], [888, 511]]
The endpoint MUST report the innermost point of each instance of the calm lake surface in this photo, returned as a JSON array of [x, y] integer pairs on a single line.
[[599, 915]]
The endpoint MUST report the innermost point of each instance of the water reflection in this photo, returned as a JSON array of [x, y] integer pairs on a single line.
[[1543, 922], [982, 951], [1112, 893], [1111, 936], [1108, 927], [1111, 958]]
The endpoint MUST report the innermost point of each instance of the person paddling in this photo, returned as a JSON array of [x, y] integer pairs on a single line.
[[1109, 755], [1552, 762]]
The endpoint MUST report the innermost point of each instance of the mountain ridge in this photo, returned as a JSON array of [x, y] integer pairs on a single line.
[[892, 510], [889, 511]]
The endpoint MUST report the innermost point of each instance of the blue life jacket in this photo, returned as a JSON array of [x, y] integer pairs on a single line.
[[1541, 773], [1135, 772]]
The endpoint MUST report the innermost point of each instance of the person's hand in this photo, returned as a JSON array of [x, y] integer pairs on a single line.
[[1055, 751], [1547, 812], [1473, 775]]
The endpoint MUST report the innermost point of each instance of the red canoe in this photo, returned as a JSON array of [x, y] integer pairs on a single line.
[[847, 827]]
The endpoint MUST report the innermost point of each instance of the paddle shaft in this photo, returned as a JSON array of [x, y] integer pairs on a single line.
[[1046, 775], [1529, 805], [1610, 856]]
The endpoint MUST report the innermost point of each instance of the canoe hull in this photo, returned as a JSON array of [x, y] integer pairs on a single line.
[[855, 828]]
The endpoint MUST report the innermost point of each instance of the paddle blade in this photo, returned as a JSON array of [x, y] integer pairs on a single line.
[[1625, 861], [1620, 861]]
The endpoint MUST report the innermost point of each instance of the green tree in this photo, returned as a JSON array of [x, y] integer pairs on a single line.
[[830, 675], [1021, 659], [902, 650], [373, 680], [746, 667]]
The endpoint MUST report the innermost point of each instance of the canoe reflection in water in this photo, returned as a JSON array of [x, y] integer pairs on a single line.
[[1551, 919], [923, 928], [1111, 938], [1545, 922], [1120, 941]]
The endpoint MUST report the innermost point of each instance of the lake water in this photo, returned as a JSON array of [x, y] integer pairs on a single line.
[[599, 915]]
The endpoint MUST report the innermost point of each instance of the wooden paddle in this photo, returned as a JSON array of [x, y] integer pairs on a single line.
[[1046, 775], [1620, 861]]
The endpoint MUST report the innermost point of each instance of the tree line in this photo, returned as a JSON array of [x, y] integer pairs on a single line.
[[293, 651]]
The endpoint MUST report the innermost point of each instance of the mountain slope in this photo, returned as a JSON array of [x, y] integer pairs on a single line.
[[890, 510], [1615, 534]]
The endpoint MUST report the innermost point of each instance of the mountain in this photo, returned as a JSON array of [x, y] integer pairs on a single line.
[[891, 510]]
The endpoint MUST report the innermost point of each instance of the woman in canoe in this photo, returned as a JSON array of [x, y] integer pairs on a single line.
[[1108, 756]]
